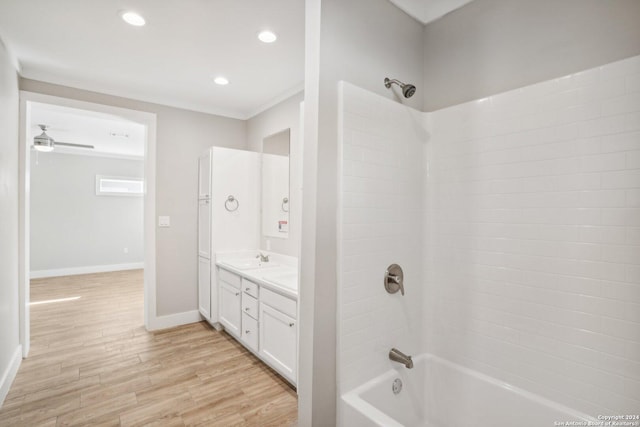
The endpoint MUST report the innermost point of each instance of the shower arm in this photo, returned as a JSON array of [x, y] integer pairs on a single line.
[[388, 82]]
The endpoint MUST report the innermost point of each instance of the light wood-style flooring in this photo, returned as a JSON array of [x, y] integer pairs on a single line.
[[92, 362]]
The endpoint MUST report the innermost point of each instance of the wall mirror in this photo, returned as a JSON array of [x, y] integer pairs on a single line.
[[275, 185]]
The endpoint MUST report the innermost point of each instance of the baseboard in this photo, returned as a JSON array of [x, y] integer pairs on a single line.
[[173, 320], [72, 271], [9, 374]]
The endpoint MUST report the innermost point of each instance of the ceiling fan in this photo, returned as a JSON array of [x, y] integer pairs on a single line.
[[45, 143]]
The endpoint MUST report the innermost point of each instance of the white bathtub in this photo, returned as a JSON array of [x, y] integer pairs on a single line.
[[438, 393]]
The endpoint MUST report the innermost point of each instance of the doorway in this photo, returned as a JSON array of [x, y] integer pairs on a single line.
[[32, 106]]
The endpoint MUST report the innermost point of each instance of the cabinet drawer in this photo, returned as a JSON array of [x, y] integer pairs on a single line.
[[230, 278], [250, 288], [250, 332], [250, 306], [279, 302]]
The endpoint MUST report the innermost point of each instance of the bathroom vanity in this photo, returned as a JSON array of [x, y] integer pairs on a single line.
[[244, 205], [259, 307]]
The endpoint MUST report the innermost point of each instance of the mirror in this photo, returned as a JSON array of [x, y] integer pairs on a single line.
[[275, 185]]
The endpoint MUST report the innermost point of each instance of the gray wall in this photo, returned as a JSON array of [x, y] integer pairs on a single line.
[[362, 42], [279, 117], [181, 136], [491, 46], [73, 227], [9, 327]]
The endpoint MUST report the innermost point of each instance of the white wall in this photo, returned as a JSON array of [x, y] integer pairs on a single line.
[[181, 136], [381, 218], [359, 41], [534, 237], [72, 227], [491, 46], [10, 354], [285, 115]]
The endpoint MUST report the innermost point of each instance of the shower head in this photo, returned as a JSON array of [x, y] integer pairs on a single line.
[[407, 89]]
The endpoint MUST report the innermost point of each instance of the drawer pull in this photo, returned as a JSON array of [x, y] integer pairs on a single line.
[[247, 289], [247, 331], [246, 309], [291, 325], [237, 293]]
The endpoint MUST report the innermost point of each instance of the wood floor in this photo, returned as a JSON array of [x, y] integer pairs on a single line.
[[93, 363]]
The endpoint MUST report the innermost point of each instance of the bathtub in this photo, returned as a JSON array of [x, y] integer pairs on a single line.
[[438, 393]]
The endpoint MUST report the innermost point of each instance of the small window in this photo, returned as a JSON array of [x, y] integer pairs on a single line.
[[118, 186]]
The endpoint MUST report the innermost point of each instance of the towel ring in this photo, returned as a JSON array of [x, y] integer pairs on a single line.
[[231, 200], [285, 201]]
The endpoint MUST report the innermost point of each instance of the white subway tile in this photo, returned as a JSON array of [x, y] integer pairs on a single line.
[[632, 83], [603, 162], [624, 104], [525, 233], [621, 179], [620, 142]]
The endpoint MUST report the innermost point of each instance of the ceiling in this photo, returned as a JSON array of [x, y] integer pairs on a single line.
[[426, 11], [173, 59], [111, 135]]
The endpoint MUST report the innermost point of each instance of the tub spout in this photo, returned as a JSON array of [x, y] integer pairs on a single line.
[[398, 356]]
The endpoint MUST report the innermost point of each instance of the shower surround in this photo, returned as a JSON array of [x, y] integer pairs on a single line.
[[517, 221]]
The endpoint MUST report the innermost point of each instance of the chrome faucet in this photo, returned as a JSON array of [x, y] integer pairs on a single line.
[[398, 356], [263, 258]]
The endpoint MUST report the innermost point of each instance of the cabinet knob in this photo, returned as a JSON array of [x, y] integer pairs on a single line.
[[247, 289], [237, 293], [247, 331], [246, 309], [291, 324]]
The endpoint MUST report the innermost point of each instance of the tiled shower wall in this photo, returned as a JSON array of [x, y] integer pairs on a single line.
[[532, 238], [382, 176]]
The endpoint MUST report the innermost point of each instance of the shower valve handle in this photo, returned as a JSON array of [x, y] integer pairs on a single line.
[[394, 279]]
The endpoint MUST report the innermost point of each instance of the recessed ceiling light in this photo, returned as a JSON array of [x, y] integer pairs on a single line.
[[133, 18], [221, 81], [267, 36]]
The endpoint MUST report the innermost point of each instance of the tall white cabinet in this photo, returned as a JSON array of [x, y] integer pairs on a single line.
[[204, 234], [228, 215]]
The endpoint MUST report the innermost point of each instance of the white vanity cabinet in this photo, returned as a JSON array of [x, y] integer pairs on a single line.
[[279, 333], [264, 321], [230, 302]]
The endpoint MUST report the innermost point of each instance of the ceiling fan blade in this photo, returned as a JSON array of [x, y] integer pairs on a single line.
[[68, 144]]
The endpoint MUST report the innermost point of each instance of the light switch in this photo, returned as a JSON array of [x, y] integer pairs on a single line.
[[164, 221]]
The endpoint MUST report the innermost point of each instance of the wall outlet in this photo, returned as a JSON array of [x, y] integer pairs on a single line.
[[164, 221]]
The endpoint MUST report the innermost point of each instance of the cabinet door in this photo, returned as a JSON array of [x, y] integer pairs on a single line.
[[230, 309], [204, 287], [204, 228], [278, 341], [204, 175]]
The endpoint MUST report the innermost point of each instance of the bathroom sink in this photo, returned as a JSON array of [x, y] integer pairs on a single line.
[[247, 263], [288, 280]]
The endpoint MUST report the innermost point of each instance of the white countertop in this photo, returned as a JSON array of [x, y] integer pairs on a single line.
[[273, 275]]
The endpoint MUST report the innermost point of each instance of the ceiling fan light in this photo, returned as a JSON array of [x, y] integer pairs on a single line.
[[132, 18], [43, 142]]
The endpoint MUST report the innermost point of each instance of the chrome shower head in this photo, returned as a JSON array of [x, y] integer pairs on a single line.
[[407, 89]]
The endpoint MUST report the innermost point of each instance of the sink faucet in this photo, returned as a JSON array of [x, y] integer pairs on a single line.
[[263, 258], [398, 356]]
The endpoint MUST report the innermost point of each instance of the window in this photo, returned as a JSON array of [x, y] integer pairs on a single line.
[[118, 186]]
